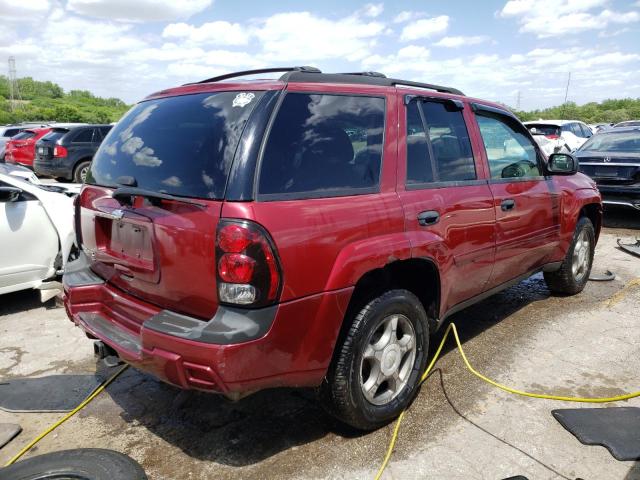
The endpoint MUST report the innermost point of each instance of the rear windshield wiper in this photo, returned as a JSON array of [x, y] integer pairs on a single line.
[[126, 193]]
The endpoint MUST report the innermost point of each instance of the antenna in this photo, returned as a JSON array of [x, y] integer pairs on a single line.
[[14, 92]]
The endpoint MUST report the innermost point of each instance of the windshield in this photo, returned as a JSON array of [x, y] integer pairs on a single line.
[[614, 142], [178, 145], [539, 129]]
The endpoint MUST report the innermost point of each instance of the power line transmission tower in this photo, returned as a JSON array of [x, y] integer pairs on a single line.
[[14, 91]]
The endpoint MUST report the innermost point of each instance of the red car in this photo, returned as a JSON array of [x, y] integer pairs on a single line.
[[21, 148], [314, 231]]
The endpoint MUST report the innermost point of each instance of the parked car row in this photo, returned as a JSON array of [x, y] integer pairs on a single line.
[[63, 151]]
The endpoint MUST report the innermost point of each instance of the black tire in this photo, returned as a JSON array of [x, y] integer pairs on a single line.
[[81, 464], [564, 281], [341, 393], [77, 172]]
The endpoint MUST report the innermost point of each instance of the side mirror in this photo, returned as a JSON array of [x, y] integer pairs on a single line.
[[562, 164], [9, 194]]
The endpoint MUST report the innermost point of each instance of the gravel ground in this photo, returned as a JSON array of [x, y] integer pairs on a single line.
[[457, 428]]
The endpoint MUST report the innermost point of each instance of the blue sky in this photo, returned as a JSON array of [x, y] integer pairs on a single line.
[[498, 49]]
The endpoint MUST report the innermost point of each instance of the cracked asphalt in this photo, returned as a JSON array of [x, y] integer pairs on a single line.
[[457, 428]]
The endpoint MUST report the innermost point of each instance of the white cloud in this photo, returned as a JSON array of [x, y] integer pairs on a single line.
[[404, 16], [459, 41], [138, 10], [425, 28], [554, 18], [373, 10], [23, 11], [303, 36], [213, 33]]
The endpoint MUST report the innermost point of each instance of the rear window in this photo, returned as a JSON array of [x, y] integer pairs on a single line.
[[323, 146], [614, 142], [54, 135], [178, 145], [538, 129], [24, 135]]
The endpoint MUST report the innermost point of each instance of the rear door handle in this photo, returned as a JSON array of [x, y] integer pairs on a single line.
[[508, 204], [429, 217]]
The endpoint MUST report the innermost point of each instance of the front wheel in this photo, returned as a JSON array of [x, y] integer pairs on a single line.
[[376, 369], [574, 272]]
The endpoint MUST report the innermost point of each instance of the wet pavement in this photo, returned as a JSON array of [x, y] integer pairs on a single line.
[[458, 427]]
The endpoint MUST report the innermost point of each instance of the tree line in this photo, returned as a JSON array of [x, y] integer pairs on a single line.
[[47, 101], [607, 111]]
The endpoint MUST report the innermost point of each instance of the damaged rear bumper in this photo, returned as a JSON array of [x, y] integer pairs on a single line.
[[236, 352]]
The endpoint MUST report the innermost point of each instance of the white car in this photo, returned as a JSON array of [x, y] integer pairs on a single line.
[[555, 136], [36, 234]]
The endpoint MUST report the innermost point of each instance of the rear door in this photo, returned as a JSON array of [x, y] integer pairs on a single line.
[[163, 251], [446, 199], [525, 205]]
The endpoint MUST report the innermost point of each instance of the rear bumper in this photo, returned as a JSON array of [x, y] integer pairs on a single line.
[[51, 167], [236, 352]]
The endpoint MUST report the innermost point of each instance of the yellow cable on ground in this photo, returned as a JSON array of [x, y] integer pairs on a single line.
[[452, 328], [84, 403]]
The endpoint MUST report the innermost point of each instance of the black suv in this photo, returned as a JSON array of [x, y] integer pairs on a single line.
[[66, 153]]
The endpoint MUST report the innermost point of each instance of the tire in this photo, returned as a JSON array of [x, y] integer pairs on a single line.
[[353, 369], [81, 167], [568, 280], [81, 464]]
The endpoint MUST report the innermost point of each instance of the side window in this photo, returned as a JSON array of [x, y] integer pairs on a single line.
[[419, 164], [97, 135], [510, 152], [104, 131], [84, 135], [450, 143], [586, 131], [323, 145], [438, 149]]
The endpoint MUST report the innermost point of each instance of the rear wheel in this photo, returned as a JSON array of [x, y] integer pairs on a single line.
[[377, 367], [574, 272], [80, 172]]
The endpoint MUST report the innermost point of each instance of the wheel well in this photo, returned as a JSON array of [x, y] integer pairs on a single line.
[[419, 276], [593, 212]]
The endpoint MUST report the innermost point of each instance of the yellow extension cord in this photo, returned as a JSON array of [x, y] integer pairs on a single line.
[[452, 328], [394, 436], [84, 403]]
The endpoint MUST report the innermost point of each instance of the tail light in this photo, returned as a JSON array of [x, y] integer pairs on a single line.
[[552, 137], [248, 271], [59, 151]]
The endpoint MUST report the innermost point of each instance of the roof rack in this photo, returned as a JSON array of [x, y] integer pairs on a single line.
[[314, 75], [245, 73], [366, 78]]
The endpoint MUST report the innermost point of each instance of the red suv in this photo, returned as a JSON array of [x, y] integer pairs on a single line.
[[21, 149], [313, 231]]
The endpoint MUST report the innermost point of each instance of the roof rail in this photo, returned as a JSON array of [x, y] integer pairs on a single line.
[[256, 72], [366, 78]]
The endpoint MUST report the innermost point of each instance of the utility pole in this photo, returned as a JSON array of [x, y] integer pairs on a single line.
[[14, 91], [518, 100]]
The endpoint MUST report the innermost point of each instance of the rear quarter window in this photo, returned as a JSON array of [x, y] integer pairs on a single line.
[[323, 145]]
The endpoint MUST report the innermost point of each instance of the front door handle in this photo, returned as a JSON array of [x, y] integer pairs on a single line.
[[508, 204], [429, 217]]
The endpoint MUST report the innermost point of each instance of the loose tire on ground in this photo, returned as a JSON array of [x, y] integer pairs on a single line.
[[81, 464], [565, 280], [342, 393]]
